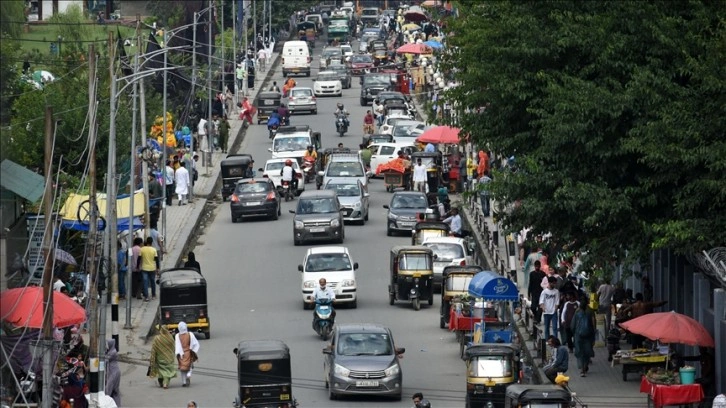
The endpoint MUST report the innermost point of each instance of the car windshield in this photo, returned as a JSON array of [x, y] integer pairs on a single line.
[[403, 131], [364, 344], [369, 12], [298, 93], [252, 188], [377, 80], [370, 34], [446, 251], [345, 169], [338, 69], [345, 190], [290, 144], [328, 77], [414, 262], [327, 262], [490, 366], [316, 206], [408, 201], [360, 59], [332, 53]]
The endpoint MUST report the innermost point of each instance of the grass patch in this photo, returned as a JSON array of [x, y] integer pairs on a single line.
[[39, 36]]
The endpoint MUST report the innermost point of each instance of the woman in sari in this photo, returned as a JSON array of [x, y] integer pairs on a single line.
[[161, 364], [186, 348]]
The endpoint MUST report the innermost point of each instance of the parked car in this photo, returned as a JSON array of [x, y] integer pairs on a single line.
[[402, 210], [272, 170], [344, 74], [353, 199], [335, 265], [362, 358], [317, 218], [328, 83], [302, 100], [255, 197]]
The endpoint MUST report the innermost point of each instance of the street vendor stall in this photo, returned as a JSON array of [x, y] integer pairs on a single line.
[[660, 395], [396, 173]]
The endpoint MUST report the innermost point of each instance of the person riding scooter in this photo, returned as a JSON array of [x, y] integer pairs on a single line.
[[284, 115], [342, 111], [323, 292], [288, 174]]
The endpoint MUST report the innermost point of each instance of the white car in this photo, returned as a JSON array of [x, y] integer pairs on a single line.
[[328, 83], [392, 120], [448, 251], [384, 152], [335, 265], [272, 171], [291, 142], [347, 50]]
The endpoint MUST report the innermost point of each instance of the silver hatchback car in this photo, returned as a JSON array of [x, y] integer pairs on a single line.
[[363, 359], [302, 100]]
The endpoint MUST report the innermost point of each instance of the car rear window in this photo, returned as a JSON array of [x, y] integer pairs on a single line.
[[302, 92], [345, 169], [446, 251], [409, 201], [316, 206], [252, 188], [328, 262], [364, 344]]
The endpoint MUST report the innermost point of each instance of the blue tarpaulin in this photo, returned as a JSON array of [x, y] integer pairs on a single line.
[[493, 287], [123, 225]]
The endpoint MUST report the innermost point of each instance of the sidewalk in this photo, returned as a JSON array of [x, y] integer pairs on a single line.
[[182, 227], [603, 387]]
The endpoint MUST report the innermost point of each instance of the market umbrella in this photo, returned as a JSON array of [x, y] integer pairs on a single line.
[[434, 44], [670, 327], [414, 48], [65, 257], [415, 16], [431, 3], [440, 134], [23, 307], [410, 27]]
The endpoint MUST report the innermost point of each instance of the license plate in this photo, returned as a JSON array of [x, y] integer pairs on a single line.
[[319, 229], [406, 224], [251, 203], [324, 308], [366, 383], [295, 70]]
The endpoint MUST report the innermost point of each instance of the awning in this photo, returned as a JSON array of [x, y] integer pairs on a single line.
[[21, 181], [70, 208], [492, 287], [122, 225]]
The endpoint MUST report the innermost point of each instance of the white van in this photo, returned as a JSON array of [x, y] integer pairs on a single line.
[[296, 58], [335, 265]]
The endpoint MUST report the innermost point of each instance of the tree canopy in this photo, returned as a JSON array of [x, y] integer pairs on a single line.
[[613, 110]]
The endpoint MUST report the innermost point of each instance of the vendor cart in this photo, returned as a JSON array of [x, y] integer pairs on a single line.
[[394, 179]]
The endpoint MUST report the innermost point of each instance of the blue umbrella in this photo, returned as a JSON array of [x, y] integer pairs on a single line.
[[434, 44]]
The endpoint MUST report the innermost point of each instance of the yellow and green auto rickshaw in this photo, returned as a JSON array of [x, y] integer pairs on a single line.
[[490, 369], [412, 275], [455, 283]]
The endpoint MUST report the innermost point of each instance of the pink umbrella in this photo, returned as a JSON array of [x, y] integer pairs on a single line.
[[414, 48], [670, 327], [23, 307], [440, 134]]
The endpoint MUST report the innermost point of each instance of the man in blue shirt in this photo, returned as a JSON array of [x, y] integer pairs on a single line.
[[560, 359], [430, 148]]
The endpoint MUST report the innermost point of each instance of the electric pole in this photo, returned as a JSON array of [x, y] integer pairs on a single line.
[[48, 343]]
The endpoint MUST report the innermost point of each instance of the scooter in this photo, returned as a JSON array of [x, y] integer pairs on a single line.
[[340, 126], [273, 130], [287, 190], [308, 168], [323, 320]]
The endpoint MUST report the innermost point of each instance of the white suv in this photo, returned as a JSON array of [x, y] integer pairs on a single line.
[[335, 265]]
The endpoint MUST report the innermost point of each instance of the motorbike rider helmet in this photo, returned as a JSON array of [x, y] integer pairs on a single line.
[[310, 147], [288, 162], [340, 106]]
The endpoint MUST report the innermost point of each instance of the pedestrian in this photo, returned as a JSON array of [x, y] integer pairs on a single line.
[[169, 180], [223, 133], [604, 298], [247, 111], [568, 313], [483, 187], [136, 277], [647, 289], [637, 309], [122, 260], [583, 329], [560, 361], [156, 194], [161, 362], [113, 372], [241, 75], [534, 290], [192, 262], [186, 348], [181, 179], [149, 264], [483, 167], [419, 177], [365, 156], [549, 299]]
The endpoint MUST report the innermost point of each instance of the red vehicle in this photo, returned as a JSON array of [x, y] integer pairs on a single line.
[[360, 64], [308, 168]]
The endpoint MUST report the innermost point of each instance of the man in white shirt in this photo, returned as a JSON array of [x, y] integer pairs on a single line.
[[202, 133], [323, 292], [261, 58], [454, 222], [169, 181], [549, 299], [419, 177], [182, 182]]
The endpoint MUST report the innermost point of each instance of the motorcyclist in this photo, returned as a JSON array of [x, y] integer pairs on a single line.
[[284, 114], [368, 123], [288, 174], [342, 111], [323, 292], [274, 87], [273, 120], [310, 152], [419, 401]]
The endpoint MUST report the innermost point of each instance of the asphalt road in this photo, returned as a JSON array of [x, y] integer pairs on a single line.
[[254, 293]]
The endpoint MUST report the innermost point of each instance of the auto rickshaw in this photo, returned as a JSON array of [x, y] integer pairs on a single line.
[[183, 298], [235, 168], [324, 158], [338, 32], [550, 396], [380, 57], [377, 138], [267, 103], [429, 229], [412, 275], [455, 282], [490, 368], [264, 374], [395, 107], [433, 162]]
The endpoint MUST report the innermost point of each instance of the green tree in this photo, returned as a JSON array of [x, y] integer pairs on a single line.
[[72, 24], [13, 17], [613, 111]]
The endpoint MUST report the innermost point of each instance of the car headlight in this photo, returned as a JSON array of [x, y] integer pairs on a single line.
[[309, 284], [357, 205], [392, 370], [335, 223], [346, 282], [299, 225], [392, 216], [341, 371]]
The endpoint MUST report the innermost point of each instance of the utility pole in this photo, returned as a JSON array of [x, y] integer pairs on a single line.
[[48, 344], [254, 26], [93, 230], [210, 123], [269, 26], [132, 189], [234, 51], [144, 165], [163, 144], [223, 66]]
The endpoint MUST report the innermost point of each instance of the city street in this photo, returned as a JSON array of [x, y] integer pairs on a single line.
[[254, 291]]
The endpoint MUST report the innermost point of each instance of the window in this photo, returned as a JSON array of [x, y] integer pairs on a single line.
[[345, 190], [446, 252], [328, 77], [252, 188], [301, 92], [360, 344], [345, 169], [387, 151], [317, 206], [458, 283], [490, 366], [328, 262], [290, 144], [409, 262], [409, 202]]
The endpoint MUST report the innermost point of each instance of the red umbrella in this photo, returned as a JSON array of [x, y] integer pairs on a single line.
[[23, 307], [415, 16], [670, 327], [440, 134], [415, 48]]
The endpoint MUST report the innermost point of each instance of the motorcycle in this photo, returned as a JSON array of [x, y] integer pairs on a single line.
[[273, 130], [287, 190], [323, 321], [340, 125], [308, 168]]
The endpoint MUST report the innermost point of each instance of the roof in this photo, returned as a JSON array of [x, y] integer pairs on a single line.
[[359, 327], [411, 248], [262, 349], [328, 250], [493, 287], [21, 181], [317, 193], [534, 393], [181, 276]]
